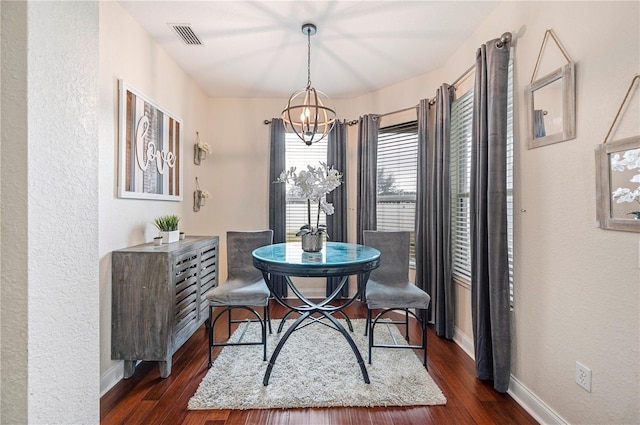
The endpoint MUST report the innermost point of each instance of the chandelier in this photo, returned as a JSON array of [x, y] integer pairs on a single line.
[[307, 113]]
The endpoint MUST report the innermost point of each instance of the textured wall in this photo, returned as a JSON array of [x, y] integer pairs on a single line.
[[63, 212], [50, 331]]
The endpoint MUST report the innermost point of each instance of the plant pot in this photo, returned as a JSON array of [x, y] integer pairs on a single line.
[[157, 241], [169, 237], [312, 242]]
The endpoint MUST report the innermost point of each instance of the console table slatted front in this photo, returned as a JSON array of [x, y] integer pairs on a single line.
[[158, 298]]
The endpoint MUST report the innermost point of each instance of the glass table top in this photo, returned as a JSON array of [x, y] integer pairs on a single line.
[[333, 254]]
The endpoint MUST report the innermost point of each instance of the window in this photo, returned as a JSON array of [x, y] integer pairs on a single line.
[[510, 177], [460, 172], [299, 155], [397, 171]]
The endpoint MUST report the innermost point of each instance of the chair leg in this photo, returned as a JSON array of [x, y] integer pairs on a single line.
[[367, 322], [370, 328], [406, 324], [264, 333], [210, 335], [424, 341]]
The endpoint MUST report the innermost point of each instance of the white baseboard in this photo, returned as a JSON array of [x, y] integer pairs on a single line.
[[521, 394], [464, 342], [114, 375], [532, 404]]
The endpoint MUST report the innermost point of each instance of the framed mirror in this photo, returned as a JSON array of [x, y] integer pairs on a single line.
[[551, 107], [618, 185]]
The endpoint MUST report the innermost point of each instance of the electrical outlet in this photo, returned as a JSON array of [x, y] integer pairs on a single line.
[[583, 376]]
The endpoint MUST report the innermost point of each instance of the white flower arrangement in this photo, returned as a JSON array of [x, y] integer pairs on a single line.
[[204, 147], [313, 184], [205, 194], [630, 161]]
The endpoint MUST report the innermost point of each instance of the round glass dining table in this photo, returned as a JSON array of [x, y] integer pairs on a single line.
[[336, 259]]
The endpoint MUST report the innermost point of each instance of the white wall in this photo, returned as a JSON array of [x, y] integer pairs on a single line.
[[127, 52], [576, 286], [50, 310]]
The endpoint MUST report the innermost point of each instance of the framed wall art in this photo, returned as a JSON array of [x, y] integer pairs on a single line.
[[150, 149], [618, 177]]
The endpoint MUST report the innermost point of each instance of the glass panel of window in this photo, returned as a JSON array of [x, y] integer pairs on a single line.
[[397, 171], [299, 155]]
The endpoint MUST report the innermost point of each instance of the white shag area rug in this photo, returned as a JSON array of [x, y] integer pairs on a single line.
[[316, 368]]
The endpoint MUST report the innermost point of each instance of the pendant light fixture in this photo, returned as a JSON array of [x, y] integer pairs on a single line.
[[307, 113]]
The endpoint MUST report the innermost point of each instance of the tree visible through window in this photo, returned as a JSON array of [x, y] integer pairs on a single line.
[[397, 170]]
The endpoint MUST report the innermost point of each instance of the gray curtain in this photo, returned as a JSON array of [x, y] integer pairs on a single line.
[[489, 257], [422, 203], [368, 127], [337, 222], [432, 213], [277, 194]]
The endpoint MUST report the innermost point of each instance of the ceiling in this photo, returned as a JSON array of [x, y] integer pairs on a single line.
[[256, 49]]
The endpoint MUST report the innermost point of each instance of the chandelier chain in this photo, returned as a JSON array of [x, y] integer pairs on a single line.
[[308, 57]]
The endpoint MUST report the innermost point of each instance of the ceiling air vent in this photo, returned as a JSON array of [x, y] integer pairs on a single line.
[[186, 34]]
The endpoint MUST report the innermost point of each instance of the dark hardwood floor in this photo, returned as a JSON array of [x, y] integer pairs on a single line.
[[146, 398]]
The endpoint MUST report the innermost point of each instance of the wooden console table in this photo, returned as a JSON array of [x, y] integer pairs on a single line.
[[158, 298]]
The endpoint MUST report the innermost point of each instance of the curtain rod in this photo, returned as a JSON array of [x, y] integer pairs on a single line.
[[432, 101], [504, 38]]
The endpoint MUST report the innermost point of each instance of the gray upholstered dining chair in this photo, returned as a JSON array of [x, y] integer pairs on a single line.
[[244, 288], [389, 290]]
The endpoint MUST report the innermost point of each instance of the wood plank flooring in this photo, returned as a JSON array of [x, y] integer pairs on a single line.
[[145, 398]]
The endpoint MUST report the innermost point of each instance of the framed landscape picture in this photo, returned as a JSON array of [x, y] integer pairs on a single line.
[[150, 149]]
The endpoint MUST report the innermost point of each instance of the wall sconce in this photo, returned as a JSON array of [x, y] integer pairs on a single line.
[[199, 197], [200, 150]]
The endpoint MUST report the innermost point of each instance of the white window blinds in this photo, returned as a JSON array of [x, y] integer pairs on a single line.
[[299, 155], [460, 172], [397, 171], [510, 177]]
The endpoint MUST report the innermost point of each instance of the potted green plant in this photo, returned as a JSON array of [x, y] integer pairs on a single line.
[[157, 241], [168, 226]]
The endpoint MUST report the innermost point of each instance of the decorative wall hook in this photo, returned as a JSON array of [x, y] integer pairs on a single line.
[[200, 150], [199, 197]]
